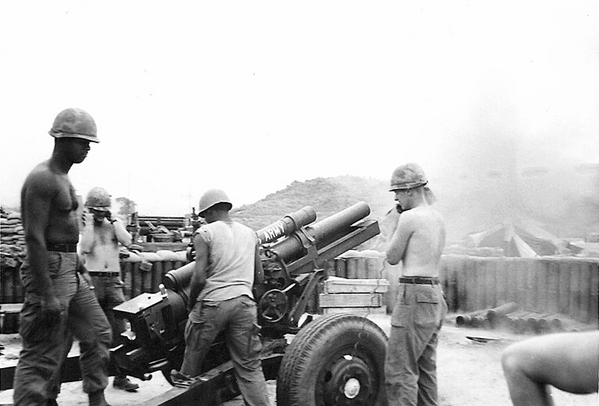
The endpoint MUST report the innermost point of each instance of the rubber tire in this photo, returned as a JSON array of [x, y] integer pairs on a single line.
[[301, 380]]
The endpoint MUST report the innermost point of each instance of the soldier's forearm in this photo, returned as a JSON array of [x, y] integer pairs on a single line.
[[37, 255], [87, 238], [121, 233]]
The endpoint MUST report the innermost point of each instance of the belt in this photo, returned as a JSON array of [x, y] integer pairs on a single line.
[[61, 247], [105, 273], [419, 280]]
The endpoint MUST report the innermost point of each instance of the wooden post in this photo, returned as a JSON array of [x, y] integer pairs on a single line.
[[362, 272], [374, 268], [157, 275], [126, 276], [146, 276], [511, 287], [501, 281], [479, 282], [566, 266], [529, 269], [19, 289], [167, 266], [492, 280], [449, 282], [461, 283], [136, 279], [471, 284], [7, 275], [487, 282], [541, 287], [352, 268], [520, 281], [585, 291], [594, 292], [340, 268], [552, 287], [575, 287]]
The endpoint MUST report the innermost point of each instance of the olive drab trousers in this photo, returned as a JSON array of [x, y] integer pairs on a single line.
[[238, 318], [44, 347], [410, 365]]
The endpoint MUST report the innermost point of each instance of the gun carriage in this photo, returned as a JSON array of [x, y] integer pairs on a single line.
[[316, 360]]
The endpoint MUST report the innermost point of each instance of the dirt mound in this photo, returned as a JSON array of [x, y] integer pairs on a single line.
[[326, 196]]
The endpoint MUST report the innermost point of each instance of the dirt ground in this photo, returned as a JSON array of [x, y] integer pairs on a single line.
[[469, 372]]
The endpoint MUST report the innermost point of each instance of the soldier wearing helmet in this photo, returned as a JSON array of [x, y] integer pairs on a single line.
[[410, 176], [98, 203], [227, 264], [417, 242], [49, 208], [99, 247]]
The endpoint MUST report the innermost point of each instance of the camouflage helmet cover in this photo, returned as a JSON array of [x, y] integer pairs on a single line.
[[408, 176], [98, 199]]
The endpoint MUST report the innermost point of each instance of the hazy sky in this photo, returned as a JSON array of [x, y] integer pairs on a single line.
[[250, 96]]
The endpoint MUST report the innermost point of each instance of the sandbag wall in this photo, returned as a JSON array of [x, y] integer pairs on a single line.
[[546, 285], [12, 254]]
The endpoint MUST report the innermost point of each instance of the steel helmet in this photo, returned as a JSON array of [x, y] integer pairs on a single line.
[[407, 176], [74, 123], [98, 199], [211, 198]]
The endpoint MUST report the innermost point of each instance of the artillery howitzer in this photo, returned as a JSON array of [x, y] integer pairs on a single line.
[[331, 360]]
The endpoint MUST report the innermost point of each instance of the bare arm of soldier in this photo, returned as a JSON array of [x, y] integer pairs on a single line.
[[567, 361], [87, 242], [122, 235], [37, 198], [401, 237], [198, 278]]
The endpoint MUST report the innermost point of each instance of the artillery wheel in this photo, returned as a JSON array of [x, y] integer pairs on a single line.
[[336, 359]]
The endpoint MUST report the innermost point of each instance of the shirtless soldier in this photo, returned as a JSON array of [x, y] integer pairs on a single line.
[[99, 247], [410, 366], [567, 361], [58, 299]]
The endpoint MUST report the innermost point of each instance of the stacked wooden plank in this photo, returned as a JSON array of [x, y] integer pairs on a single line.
[[359, 296], [357, 284]]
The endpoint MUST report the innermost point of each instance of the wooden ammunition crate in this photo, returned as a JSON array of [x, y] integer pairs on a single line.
[[360, 296]]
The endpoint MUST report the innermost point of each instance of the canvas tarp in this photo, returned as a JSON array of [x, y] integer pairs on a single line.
[[521, 237]]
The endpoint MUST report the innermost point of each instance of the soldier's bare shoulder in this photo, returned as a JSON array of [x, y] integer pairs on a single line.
[[42, 180]]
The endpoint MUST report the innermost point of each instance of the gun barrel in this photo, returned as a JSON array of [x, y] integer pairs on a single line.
[[322, 232], [287, 225], [178, 279]]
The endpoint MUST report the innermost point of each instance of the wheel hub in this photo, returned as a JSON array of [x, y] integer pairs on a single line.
[[352, 388], [349, 382]]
